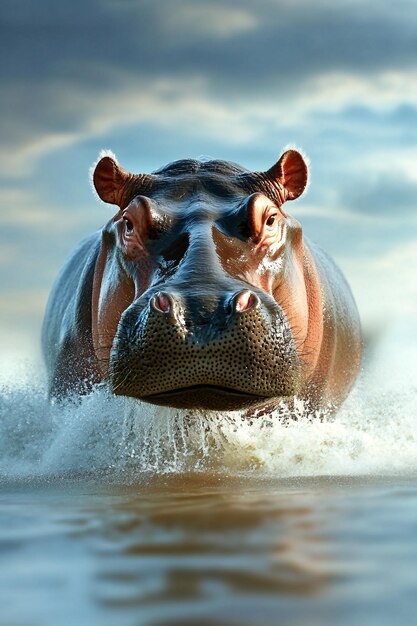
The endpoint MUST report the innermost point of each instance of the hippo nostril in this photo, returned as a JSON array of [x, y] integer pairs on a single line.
[[162, 302], [245, 300]]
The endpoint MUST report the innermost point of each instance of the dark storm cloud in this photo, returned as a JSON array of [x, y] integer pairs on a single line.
[[281, 40], [55, 51]]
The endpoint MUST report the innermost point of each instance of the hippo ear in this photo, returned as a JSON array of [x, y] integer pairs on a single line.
[[291, 171], [109, 180]]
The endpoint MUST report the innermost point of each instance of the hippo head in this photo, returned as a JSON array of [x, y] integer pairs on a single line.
[[199, 298]]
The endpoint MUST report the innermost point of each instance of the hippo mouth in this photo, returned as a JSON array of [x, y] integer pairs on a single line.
[[251, 360], [209, 397]]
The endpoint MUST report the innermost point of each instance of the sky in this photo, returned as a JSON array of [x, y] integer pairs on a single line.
[[160, 80]]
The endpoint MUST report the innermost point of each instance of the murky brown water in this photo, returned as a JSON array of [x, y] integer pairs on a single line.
[[114, 513], [202, 549]]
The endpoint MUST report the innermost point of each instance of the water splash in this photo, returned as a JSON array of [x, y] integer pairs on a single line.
[[119, 439]]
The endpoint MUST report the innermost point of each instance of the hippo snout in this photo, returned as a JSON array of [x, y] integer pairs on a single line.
[[190, 352]]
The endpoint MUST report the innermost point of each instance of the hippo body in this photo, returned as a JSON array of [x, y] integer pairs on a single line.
[[202, 292]]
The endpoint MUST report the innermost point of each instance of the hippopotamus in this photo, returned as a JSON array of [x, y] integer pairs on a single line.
[[202, 292]]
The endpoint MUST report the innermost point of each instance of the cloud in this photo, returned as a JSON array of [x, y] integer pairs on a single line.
[[384, 286], [396, 164], [191, 20], [166, 101], [379, 92], [228, 70], [384, 196], [170, 102]]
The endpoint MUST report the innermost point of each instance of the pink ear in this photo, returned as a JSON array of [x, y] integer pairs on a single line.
[[109, 179], [291, 171]]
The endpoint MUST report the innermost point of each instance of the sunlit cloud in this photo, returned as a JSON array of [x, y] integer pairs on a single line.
[[192, 20], [398, 164], [383, 91], [166, 102], [169, 102]]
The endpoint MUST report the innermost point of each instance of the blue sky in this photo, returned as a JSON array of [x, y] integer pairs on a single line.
[[159, 80]]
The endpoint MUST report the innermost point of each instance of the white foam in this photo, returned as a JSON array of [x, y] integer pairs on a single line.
[[118, 439]]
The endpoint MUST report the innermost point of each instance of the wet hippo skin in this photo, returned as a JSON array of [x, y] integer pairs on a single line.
[[202, 292]]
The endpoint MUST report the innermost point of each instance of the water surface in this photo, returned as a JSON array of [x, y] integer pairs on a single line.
[[199, 549], [114, 512]]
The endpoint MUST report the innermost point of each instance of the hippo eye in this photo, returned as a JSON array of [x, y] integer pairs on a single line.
[[129, 224], [271, 220]]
